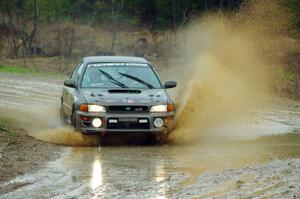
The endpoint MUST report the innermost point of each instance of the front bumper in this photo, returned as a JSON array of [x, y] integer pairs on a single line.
[[86, 126]]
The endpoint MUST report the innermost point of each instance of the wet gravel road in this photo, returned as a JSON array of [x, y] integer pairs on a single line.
[[261, 161]]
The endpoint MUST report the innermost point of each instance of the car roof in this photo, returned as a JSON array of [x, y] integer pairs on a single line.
[[129, 59]]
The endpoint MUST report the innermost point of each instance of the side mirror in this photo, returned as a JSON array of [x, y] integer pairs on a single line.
[[170, 84], [70, 83]]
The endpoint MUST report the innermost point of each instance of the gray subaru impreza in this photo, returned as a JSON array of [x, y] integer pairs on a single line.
[[117, 94]]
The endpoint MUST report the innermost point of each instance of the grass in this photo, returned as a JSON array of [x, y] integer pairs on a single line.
[[17, 69], [25, 70]]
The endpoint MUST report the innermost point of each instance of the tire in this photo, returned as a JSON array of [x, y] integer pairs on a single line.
[[162, 137], [74, 122], [62, 117]]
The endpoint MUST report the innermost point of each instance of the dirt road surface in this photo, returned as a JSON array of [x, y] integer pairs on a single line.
[[252, 159]]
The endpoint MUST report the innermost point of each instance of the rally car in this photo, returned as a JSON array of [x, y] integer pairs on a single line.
[[116, 94]]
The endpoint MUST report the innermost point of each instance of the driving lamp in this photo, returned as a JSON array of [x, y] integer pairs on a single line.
[[96, 122], [159, 108], [158, 122]]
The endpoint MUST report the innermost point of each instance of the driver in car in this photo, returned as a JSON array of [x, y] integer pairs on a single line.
[[93, 79]]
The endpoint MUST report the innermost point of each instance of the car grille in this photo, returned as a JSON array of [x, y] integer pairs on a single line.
[[129, 123], [128, 109]]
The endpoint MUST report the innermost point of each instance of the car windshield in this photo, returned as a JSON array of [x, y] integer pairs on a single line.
[[120, 75]]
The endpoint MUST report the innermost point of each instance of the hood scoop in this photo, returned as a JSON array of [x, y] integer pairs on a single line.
[[128, 91]]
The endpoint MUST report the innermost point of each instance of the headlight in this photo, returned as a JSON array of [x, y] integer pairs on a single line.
[[159, 108], [96, 108], [92, 108]]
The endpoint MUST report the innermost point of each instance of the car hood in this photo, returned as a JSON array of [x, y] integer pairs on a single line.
[[125, 96]]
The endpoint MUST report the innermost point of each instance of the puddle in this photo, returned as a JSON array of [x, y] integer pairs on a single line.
[[153, 171]]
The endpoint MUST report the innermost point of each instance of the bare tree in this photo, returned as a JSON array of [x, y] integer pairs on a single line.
[[10, 31], [34, 33], [221, 4], [2, 31], [184, 8], [17, 30], [29, 38], [116, 8], [174, 14]]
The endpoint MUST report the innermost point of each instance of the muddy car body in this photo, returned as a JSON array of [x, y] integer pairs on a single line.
[[125, 96]]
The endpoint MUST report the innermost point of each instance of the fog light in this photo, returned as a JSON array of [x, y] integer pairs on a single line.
[[97, 122], [158, 122], [143, 121]]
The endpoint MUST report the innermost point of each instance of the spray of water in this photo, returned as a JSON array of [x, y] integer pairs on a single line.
[[230, 64], [42, 122]]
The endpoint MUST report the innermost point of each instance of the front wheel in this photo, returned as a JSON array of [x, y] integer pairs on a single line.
[[62, 117], [162, 137], [74, 121]]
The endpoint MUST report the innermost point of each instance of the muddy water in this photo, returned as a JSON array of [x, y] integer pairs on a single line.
[[151, 172], [219, 162]]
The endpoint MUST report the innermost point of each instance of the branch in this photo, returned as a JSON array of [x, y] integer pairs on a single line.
[[185, 14]]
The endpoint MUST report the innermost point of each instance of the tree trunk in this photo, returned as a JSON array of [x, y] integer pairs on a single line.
[[174, 4], [149, 13], [185, 14], [10, 32], [113, 28], [221, 3], [114, 18], [35, 27], [71, 40], [206, 5]]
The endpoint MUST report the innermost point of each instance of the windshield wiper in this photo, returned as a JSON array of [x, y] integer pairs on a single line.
[[137, 80], [113, 80]]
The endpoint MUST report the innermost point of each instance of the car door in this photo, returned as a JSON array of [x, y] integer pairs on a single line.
[[70, 94]]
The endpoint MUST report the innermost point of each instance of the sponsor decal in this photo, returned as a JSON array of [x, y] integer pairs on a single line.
[[117, 64], [129, 101]]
